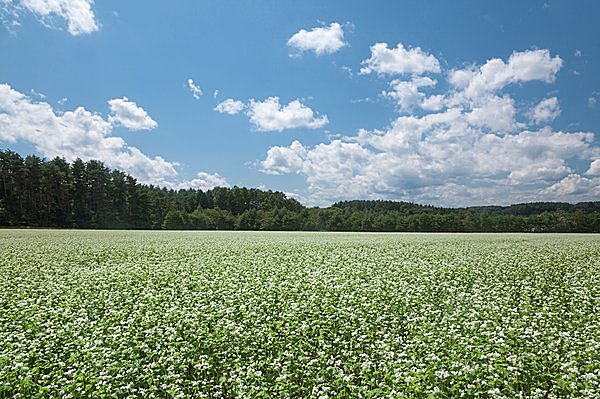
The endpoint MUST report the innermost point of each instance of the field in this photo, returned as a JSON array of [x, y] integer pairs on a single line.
[[299, 315]]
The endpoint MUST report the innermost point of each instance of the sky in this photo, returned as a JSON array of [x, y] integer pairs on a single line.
[[446, 103]]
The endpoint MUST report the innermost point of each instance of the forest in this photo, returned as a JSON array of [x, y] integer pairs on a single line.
[[35, 192]]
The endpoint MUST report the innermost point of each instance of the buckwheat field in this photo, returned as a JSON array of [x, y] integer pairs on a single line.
[[298, 315]]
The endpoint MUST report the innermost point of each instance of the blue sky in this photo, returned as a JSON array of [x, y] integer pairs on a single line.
[[446, 103]]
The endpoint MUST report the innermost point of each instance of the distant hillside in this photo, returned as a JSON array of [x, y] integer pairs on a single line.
[[538, 208], [35, 192], [407, 208], [526, 209]]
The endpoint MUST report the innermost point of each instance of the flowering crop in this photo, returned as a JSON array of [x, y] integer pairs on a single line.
[[298, 315]]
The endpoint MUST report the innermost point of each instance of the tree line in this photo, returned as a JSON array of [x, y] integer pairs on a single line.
[[35, 192]]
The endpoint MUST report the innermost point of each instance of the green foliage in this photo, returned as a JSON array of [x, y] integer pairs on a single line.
[[298, 315], [39, 193]]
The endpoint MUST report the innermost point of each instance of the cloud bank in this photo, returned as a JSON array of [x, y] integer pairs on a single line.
[[467, 144]]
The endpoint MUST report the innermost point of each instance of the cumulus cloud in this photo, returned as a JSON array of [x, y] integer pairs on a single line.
[[495, 74], [465, 147], [594, 169], [78, 14], [270, 115], [408, 96], [282, 160], [547, 110], [402, 161], [494, 113], [322, 40], [432, 148], [332, 170], [230, 106], [573, 186], [399, 60], [204, 181], [128, 114], [195, 89]]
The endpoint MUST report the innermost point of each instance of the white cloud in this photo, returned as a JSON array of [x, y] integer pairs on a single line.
[[74, 134], [204, 181], [572, 187], [285, 159], [433, 103], [407, 94], [332, 170], [546, 111], [269, 115], [399, 60], [230, 106], [127, 113], [195, 89], [546, 170], [475, 91], [594, 169], [577, 53], [323, 40], [466, 146], [215, 93], [494, 113], [495, 74], [78, 14], [409, 163]]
